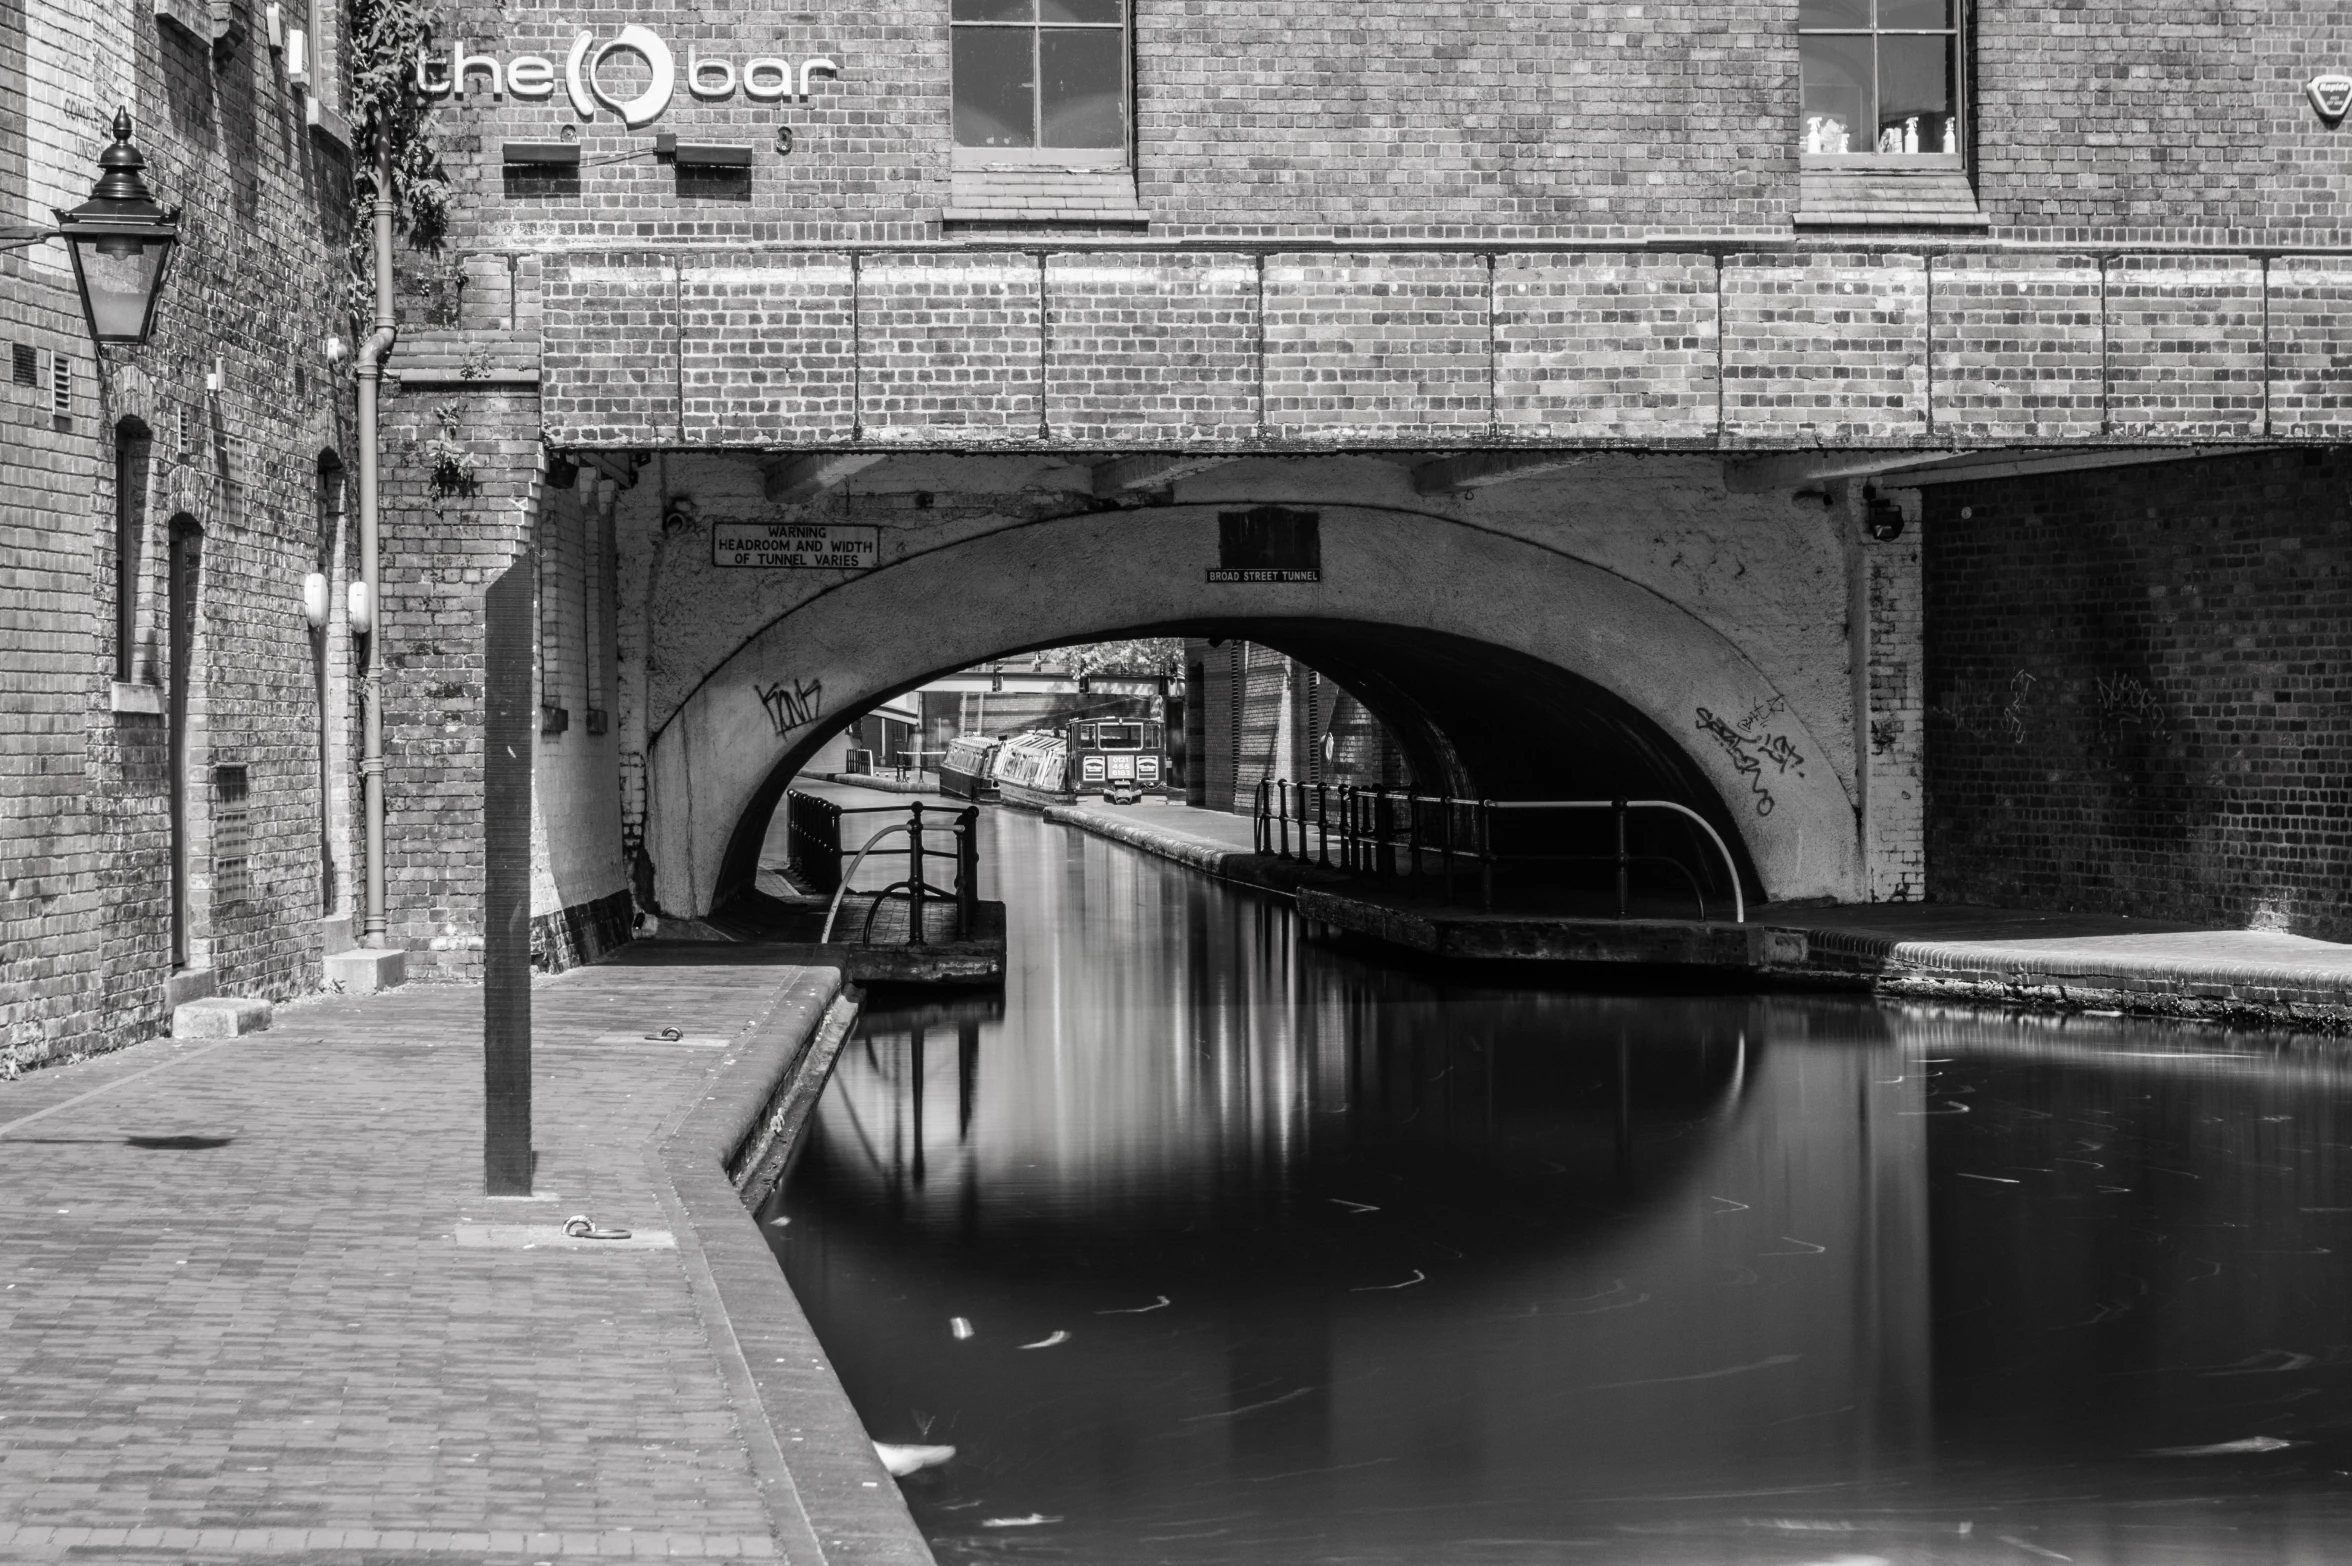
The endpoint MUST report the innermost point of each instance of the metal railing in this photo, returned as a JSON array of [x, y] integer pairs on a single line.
[[1390, 832], [813, 832]]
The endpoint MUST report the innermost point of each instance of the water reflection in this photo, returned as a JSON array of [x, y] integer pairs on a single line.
[[1221, 1247]]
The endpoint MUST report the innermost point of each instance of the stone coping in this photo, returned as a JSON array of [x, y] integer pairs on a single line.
[[828, 1497]]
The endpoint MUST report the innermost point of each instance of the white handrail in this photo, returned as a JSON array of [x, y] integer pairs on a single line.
[[1739, 902], [842, 890]]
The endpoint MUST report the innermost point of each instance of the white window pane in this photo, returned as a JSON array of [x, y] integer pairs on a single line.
[[1914, 13], [1833, 13], [1915, 95], [995, 87], [1839, 114], [1084, 73]]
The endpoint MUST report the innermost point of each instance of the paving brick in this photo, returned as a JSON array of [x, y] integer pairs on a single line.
[[493, 1403]]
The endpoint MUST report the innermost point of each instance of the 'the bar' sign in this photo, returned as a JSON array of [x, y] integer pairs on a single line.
[[796, 546]]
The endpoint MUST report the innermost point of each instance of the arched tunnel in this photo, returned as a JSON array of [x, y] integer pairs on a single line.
[[1472, 720], [1504, 666]]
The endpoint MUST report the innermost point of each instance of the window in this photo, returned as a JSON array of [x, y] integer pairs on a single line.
[[1041, 81], [1882, 77], [130, 527]]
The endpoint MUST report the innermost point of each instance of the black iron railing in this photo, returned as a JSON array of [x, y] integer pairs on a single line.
[[1398, 833], [813, 828]]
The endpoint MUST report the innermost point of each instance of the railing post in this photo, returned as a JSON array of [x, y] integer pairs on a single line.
[[1445, 842], [1282, 817], [1413, 835], [1618, 806], [1258, 832], [915, 874], [967, 872], [1381, 865], [1323, 825], [1486, 855]]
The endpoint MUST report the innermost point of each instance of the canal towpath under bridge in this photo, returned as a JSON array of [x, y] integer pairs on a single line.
[[1949, 951]]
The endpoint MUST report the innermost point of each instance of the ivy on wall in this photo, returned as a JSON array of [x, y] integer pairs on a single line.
[[392, 122]]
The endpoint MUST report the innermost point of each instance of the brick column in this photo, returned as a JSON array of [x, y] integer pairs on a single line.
[[1890, 727]]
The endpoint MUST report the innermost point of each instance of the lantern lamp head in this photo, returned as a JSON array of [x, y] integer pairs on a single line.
[[121, 243]]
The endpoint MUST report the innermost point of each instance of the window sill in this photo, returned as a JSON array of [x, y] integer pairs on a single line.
[[1882, 162], [1926, 191], [1082, 197]]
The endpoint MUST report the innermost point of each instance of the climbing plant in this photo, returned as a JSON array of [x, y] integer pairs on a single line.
[[454, 465], [391, 115]]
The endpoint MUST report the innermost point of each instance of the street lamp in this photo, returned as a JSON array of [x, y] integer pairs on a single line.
[[121, 243]]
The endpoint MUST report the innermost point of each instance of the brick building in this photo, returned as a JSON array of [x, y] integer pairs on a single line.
[[175, 741], [1738, 391]]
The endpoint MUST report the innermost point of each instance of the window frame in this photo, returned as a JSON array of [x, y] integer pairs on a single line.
[[1962, 98], [1117, 159]]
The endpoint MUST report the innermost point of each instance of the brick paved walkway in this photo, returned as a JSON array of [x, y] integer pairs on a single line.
[[239, 1321]]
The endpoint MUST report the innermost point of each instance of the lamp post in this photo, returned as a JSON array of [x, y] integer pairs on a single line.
[[121, 243]]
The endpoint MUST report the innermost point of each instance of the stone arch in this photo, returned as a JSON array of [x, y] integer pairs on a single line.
[[1677, 686]]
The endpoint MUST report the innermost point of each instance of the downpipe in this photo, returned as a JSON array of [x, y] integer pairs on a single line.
[[370, 371]]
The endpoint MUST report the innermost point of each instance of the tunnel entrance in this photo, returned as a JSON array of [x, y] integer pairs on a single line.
[[1498, 664], [1287, 715]]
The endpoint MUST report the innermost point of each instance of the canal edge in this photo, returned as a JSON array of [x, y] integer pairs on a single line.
[[2212, 991], [827, 1496]]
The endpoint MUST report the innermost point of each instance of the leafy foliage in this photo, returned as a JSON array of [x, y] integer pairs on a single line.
[[391, 116], [1137, 655], [453, 463]]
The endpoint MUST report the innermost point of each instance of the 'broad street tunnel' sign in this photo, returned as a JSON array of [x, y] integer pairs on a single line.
[[796, 546]]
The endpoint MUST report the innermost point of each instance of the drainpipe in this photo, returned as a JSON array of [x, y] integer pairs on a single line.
[[370, 369]]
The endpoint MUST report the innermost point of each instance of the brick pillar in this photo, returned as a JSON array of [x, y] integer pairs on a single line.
[[1890, 725]]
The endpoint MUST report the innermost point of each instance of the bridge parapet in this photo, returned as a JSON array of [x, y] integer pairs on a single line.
[[1250, 350]]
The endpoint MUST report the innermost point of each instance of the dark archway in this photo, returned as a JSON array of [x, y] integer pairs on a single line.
[[1475, 719]]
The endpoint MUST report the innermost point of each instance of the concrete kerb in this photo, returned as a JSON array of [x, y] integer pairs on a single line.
[[1194, 853], [827, 1495]]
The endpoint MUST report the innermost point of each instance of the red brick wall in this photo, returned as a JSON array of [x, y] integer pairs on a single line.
[[84, 841], [2137, 684], [1400, 118]]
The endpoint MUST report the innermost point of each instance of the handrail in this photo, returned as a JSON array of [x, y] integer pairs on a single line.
[[816, 848], [1739, 902], [842, 890], [1274, 818]]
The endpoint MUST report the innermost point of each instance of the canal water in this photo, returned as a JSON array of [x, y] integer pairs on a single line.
[[1212, 1244]]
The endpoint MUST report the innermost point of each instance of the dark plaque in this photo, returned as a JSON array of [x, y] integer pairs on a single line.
[[1269, 544]]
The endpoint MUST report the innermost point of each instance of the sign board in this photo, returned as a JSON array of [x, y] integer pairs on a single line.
[[796, 546], [1268, 544]]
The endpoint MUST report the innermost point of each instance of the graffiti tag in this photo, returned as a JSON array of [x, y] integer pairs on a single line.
[[2013, 716], [2124, 700], [793, 706], [1751, 753]]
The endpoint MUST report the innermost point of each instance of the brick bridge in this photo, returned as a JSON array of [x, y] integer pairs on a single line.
[[1583, 515]]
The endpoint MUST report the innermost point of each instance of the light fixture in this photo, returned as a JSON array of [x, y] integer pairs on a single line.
[[361, 608], [316, 600], [121, 243]]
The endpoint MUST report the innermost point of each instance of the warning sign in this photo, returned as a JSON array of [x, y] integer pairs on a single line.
[[796, 546]]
